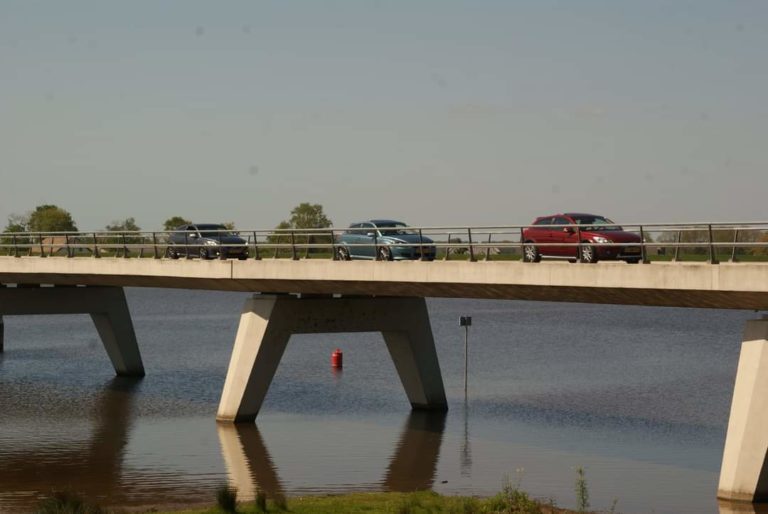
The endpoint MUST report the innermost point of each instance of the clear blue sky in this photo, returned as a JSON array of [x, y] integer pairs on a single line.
[[434, 112]]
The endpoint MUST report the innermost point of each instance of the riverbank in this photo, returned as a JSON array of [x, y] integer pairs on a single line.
[[509, 501]]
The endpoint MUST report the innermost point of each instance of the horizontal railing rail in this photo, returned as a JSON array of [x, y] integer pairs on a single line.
[[711, 242]]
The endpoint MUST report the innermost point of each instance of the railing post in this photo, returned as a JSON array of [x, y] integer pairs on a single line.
[[66, 245], [15, 248], [712, 251], [186, 245], [447, 248], [293, 246], [677, 246], [733, 249], [154, 245], [95, 246], [488, 248], [376, 244], [256, 255], [643, 250], [471, 246], [421, 245], [578, 247], [522, 245], [125, 247], [333, 245], [42, 250]]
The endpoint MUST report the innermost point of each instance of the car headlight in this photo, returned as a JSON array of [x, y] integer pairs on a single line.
[[602, 240], [210, 242]]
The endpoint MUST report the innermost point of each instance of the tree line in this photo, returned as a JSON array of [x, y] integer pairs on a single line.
[[52, 218]]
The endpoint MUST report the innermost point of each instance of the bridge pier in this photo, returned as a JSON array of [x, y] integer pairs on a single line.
[[268, 321], [744, 471], [106, 305]]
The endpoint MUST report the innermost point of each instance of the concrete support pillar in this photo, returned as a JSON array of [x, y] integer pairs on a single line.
[[744, 473], [106, 305], [267, 322]]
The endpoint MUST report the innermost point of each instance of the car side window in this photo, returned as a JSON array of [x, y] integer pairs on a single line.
[[560, 221], [544, 221]]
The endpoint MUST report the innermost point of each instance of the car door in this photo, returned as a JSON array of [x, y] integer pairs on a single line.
[[352, 238], [368, 237], [562, 233], [541, 234]]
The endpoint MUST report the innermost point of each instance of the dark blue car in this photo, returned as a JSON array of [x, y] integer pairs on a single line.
[[206, 241], [384, 240]]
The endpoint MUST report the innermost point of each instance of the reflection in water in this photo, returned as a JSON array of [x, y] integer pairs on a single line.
[[411, 468], [466, 451], [742, 508], [248, 462], [94, 467]]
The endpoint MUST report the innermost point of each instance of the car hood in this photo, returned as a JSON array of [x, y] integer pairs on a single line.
[[407, 238], [617, 236], [230, 240]]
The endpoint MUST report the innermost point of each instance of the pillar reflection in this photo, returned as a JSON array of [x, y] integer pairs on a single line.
[[248, 462], [412, 466], [742, 507], [92, 467]]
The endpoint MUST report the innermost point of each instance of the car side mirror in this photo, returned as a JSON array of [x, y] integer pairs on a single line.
[[569, 230], [370, 234], [192, 236]]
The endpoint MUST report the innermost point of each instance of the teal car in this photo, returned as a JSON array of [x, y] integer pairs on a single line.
[[384, 240]]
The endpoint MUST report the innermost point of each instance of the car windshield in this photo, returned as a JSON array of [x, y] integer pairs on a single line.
[[599, 222], [213, 231], [394, 229]]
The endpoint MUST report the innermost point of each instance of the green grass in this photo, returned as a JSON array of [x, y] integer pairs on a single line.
[[509, 501]]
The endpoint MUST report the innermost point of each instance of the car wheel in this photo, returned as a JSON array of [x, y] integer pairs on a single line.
[[204, 254], [170, 252], [342, 253], [531, 253], [588, 253], [384, 254], [633, 261], [242, 257]]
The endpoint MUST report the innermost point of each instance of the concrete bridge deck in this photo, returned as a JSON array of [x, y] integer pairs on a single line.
[[726, 285]]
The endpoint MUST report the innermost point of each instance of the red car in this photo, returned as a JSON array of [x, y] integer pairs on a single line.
[[600, 238]]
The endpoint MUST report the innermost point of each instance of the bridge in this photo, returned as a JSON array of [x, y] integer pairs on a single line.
[[300, 288]]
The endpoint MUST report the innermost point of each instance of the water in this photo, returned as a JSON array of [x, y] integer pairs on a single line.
[[637, 396]]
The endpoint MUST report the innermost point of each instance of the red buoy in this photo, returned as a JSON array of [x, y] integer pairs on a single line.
[[336, 358]]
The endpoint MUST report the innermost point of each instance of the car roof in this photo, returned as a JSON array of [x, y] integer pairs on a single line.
[[379, 222], [572, 214]]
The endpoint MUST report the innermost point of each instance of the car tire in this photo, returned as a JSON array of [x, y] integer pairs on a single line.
[[530, 252], [242, 257], [342, 254], [633, 261], [204, 256], [588, 253], [170, 252], [383, 254]]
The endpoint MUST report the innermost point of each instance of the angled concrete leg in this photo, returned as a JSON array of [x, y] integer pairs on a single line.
[[116, 331], [267, 323], [106, 305], [259, 346], [744, 473]]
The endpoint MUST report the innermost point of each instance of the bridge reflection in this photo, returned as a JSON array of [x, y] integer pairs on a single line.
[[92, 468], [412, 466], [95, 467]]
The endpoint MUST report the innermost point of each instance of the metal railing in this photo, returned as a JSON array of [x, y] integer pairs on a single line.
[[710, 242]]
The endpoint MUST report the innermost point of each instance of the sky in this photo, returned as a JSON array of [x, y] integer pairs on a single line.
[[434, 112]]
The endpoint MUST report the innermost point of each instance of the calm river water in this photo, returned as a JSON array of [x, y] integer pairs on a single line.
[[638, 397]]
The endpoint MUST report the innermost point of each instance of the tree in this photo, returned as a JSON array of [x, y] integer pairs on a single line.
[[50, 218], [16, 223], [229, 225], [127, 225], [305, 216], [175, 221]]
